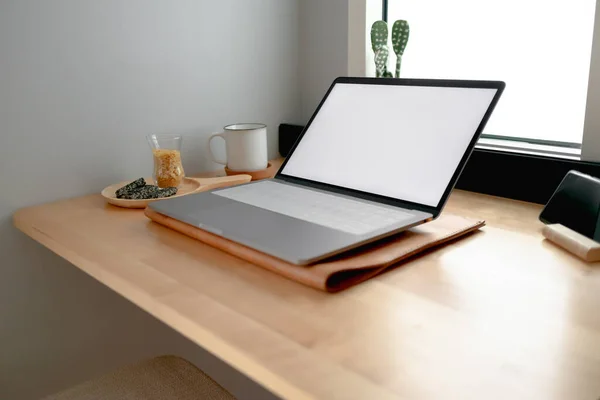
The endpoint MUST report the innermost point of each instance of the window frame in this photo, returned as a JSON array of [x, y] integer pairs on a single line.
[[589, 149]]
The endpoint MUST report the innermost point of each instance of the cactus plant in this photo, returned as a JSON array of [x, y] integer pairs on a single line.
[[379, 39], [400, 33], [379, 35], [381, 58]]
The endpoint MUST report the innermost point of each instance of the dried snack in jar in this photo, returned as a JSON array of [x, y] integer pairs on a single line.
[[168, 170]]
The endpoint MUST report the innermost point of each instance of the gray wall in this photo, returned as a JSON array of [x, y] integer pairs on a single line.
[[81, 83], [323, 49]]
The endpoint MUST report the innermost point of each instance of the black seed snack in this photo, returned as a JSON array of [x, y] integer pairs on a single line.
[[168, 192], [138, 183], [144, 192], [149, 192]]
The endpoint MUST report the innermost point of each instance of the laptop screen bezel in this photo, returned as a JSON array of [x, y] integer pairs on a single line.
[[434, 210]]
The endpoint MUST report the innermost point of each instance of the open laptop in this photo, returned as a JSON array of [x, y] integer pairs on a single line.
[[377, 157]]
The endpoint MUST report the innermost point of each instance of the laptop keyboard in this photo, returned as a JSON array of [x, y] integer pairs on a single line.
[[340, 213]]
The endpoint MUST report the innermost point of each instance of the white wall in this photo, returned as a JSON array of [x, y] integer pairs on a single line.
[[590, 148], [81, 83]]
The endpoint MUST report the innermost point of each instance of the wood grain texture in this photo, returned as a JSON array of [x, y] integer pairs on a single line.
[[499, 315]]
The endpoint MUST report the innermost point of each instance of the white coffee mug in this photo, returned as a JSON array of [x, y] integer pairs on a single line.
[[245, 147]]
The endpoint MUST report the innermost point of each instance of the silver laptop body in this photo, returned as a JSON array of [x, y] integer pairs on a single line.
[[378, 156]]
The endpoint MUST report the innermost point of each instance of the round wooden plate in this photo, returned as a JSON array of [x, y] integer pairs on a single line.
[[189, 186]]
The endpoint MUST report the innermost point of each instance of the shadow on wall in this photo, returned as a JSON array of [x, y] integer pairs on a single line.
[[194, 152]]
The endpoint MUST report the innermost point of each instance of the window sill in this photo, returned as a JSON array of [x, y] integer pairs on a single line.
[[512, 146]]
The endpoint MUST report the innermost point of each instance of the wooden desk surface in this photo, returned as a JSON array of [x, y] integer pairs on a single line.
[[499, 315]]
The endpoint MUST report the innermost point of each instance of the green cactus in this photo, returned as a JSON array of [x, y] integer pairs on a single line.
[[379, 35], [379, 39], [400, 33], [381, 58]]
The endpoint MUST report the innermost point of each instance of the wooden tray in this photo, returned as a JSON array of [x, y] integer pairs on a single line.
[[189, 186], [266, 173]]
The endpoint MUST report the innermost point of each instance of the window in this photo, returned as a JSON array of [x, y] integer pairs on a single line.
[[542, 49]]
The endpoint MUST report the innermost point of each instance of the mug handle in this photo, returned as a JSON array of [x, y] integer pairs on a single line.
[[210, 152]]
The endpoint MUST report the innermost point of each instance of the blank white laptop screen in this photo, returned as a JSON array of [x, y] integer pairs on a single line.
[[403, 142]]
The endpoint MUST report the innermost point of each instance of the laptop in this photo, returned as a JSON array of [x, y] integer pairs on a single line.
[[378, 156]]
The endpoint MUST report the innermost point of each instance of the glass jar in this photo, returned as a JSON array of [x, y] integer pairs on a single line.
[[166, 151]]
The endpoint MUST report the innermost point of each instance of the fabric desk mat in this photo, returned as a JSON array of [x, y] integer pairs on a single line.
[[348, 269]]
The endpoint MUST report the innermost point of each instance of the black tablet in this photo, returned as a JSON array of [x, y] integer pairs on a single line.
[[576, 205]]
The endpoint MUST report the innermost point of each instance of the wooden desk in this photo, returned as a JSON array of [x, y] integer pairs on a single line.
[[499, 315]]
